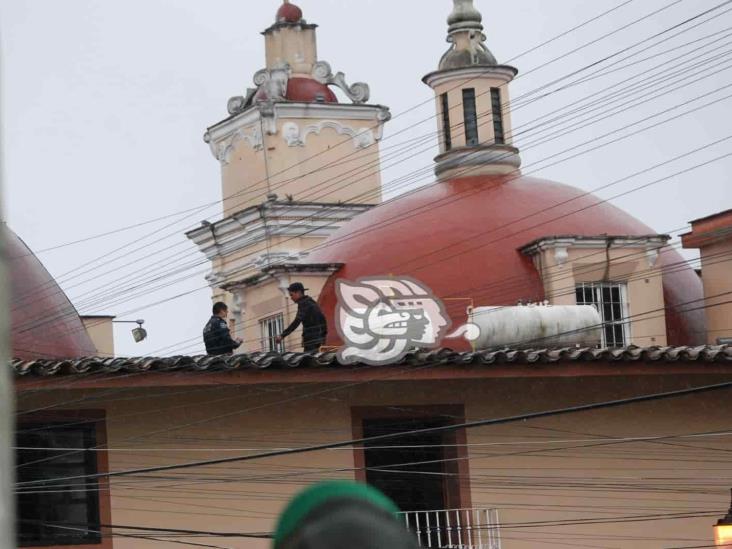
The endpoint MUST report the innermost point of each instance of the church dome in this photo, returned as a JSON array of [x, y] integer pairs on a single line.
[[461, 237], [288, 13], [44, 323], [308, 90]]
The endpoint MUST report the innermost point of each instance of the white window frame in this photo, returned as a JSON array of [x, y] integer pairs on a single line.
[[270, 328], [599, 303]]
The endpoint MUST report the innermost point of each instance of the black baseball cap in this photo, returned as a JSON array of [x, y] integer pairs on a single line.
[[296, 287]]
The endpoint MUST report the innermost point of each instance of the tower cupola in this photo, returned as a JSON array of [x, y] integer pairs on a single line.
[[471, 89]]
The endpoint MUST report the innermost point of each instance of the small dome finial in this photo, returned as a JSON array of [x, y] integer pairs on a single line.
[[465, 33], [288, 13], [464, 16]]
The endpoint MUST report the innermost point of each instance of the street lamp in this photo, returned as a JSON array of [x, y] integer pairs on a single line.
[[138, 333], [723, 529]]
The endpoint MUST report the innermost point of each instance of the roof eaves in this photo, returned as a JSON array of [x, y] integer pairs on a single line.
[[260, 360]]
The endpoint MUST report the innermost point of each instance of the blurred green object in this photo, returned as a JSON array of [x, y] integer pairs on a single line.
[[341, 508]]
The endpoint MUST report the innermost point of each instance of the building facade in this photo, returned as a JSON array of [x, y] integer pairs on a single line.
[[301, 201], [161, 452], [296, 164]]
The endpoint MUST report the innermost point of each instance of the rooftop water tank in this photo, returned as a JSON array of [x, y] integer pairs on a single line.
[[537, 326]]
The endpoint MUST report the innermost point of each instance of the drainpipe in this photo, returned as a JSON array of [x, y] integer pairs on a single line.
[[606, 274]]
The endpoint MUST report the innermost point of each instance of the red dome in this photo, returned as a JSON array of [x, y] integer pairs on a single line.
[[307, 90], [288, 13], [44, 323], [461, 238]]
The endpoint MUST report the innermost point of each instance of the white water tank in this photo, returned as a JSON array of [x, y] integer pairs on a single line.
[[537, 326]]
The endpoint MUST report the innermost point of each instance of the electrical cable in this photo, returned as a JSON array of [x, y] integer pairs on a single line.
[[680, 24], [465, 425]]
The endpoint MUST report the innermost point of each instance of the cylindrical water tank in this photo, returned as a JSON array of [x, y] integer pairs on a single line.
[[539, 327]]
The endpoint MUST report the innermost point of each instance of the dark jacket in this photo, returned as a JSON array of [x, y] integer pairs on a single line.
[[217, 338], [314, 326]]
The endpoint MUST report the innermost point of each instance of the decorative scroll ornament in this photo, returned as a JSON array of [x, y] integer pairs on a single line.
[[358, 92], [561, 255], [236, 104], [295, 137], [652, 256], [223, 148]]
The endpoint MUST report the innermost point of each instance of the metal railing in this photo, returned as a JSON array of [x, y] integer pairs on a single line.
[[455, 528]]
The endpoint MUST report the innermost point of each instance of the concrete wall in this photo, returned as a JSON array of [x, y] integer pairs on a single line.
[[563, 468], [716, 262], [101, 332], [619, 264], [327, 167], [482, 86]]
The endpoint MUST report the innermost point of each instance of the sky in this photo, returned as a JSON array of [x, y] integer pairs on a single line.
[[104, 105]]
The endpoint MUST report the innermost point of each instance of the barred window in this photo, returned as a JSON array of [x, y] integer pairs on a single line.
[[470, 117], [446, 122], [272, 327], [610, 299], [66, 514], [497, 112]]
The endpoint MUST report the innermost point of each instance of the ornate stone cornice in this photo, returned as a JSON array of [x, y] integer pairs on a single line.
[[295, 136], [505, 73], [247, 126], [258, 223], [560, 245]]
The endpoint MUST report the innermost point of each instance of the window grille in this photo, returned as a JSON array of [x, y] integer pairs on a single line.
[[497, 111], [272, 327], [610, 299], [470, 117]]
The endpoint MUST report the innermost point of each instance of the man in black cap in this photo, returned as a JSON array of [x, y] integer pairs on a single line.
[[216, 335], [314, 326]]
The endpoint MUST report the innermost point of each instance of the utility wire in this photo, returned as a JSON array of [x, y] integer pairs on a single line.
[[637, 20], [440, 429]]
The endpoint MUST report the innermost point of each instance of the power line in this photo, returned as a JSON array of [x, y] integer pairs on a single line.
[[465, 425], [642, 18], [331, 242]]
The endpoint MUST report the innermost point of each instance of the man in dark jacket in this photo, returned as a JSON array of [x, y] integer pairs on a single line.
[[314, 326], [216, 333]]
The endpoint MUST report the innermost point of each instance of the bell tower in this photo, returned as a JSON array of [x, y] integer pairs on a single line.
[[291, 135], [472, 101], [299, 156]]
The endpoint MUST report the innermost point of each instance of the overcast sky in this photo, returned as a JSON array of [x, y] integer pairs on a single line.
[[105, 105]]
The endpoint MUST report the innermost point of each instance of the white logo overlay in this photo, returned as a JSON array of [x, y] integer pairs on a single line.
[[382, 318]]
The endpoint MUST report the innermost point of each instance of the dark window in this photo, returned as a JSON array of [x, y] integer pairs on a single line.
[[497, 116], [67, 513], [446, 122], [470, 116], [609, 299], [409, 469]]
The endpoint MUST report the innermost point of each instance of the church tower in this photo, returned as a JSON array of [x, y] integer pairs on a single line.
[[299, 158], [471, 92]]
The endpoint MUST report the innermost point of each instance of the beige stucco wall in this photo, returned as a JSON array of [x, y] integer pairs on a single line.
[[294, 46], [101, 332], [268, 299], [482, 86], [716, 262], [328, 167], [626, 265], [560, 468]]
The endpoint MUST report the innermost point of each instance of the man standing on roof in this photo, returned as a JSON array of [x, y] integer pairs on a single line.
[[314, 325], [216, 335]]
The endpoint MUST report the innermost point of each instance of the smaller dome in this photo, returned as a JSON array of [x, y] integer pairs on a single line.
[[455, 58], [307, 90], [288, 13]]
